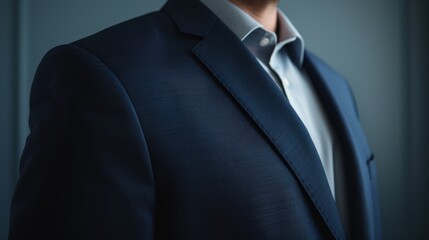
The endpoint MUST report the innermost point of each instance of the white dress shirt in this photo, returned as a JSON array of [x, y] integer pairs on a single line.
[[281, 54]]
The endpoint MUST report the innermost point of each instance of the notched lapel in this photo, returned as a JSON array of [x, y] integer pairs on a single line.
[[242, 76]]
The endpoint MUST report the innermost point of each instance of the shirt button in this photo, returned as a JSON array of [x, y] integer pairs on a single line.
[[264, 42]]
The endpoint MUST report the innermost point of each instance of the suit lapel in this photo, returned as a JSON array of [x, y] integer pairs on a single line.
[[242, 76], [356, 152]]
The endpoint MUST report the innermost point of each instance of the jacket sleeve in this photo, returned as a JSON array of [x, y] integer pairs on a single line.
[[85, 172]]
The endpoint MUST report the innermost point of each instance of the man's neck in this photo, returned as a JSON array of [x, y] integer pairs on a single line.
[[263, 12]]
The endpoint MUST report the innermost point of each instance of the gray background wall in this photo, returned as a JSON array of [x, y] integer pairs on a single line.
[[379, 46]]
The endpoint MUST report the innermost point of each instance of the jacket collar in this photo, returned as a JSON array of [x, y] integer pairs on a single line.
[[197, 21]]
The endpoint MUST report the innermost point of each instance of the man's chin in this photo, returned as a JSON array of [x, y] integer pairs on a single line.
[[258, 2]]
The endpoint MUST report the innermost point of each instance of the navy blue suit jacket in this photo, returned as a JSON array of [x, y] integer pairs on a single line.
[[167, 127]]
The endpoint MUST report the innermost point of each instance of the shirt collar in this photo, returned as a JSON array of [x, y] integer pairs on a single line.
[[243, 25]]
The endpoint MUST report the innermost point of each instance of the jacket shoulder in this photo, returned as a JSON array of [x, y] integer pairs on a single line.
[[127, 33]]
